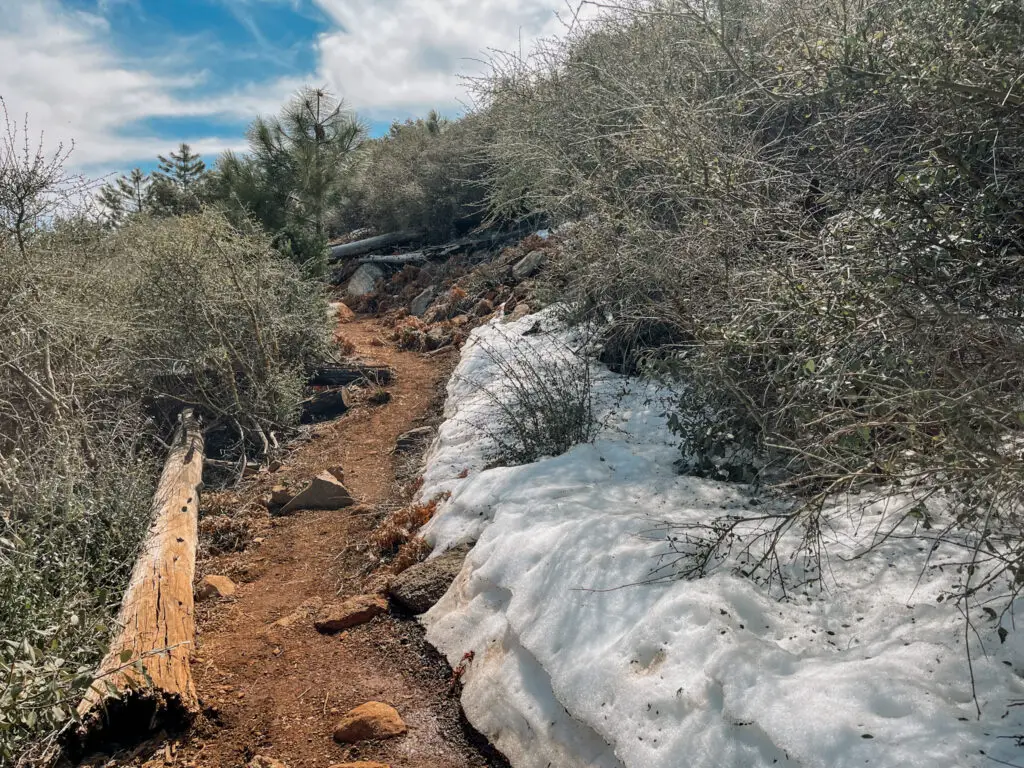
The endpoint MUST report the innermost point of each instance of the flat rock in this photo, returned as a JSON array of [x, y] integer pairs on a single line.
[[529, 265], [350, 613], [323, 492], [413, 438], [372, 720], [364, 281], [214, 586], [422, 302], [419, 587]]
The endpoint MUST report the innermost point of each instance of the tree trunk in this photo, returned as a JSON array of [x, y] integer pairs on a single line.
[[371, 244], [145, 681]]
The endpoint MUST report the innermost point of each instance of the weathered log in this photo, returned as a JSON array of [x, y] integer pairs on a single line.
[[416, 257], [343, 375], [325, 405], [145, 683], [371, 244]]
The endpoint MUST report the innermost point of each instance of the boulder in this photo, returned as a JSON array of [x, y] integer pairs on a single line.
[[351, 613], [417, 588], [364, 281], [529, 265], [372, 720], [214, 586], [422, 302], [323, 492], [413, 438]]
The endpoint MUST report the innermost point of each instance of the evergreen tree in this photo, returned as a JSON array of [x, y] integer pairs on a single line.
[[294, 175], [180, 182], [128, 195]]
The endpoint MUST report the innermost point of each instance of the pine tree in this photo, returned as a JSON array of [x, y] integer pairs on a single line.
[[179, 184], [128, 195]]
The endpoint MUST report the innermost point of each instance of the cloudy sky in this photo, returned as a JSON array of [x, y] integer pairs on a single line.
[[127, 79]]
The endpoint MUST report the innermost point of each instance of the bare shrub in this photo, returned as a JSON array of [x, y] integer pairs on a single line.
[[820, 202], [537, 401]]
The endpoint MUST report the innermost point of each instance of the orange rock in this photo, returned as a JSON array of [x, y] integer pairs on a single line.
[[342, 313], [215, 586], [372, 720], [351, 613]]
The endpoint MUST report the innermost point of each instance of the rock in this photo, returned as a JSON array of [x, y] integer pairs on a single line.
[[337, 473], [364, 281], [483, 308], [261, 761], [437, 338], [351, 613], [340, 312], [372, 720], [279, 496], [417, 588], [360, 764], [422, 303], [323, 492], [274, 466], [522, 310], [214, 586], [413, 438], [529, 265]]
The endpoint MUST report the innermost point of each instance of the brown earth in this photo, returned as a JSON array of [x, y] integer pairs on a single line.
[[274, 686]]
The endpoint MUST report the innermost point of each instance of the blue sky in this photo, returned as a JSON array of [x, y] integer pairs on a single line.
[[127, 79]]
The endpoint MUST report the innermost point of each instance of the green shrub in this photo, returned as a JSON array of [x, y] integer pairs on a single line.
[[424, 175]]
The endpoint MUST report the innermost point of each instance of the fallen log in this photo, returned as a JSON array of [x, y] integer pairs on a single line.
[[371, 244], [144, 683], [417, 257], [343, 375]]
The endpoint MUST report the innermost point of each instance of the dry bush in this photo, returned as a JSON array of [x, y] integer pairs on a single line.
[[425, 175], [809, 213], [400, 527]]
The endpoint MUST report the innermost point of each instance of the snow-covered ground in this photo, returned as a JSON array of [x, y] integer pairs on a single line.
[[579, 662]]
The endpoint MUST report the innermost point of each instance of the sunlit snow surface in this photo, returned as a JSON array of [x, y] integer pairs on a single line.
[[577, 662]]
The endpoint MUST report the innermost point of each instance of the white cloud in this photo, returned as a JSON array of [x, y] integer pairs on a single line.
[[405, 56], [61, 69]]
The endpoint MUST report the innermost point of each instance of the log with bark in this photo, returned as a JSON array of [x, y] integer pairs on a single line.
[[343, 375], [371, 244], [144, 683], [325, 405]]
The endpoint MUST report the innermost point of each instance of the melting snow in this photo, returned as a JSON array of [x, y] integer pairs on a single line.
[[580, 661]]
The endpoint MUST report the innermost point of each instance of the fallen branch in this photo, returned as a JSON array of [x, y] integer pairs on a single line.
[[343, 375], [145, 682], [371, 244]]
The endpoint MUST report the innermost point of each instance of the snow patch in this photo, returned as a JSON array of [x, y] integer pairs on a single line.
[[582, 660]]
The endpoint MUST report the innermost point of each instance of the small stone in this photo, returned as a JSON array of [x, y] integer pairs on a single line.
[[372, 720], [483, 308], [351, 613], [261, 761], [413, 438], [437, 338], [359, 764], [422, 302], [337, 473], [323, 492], [341, 312], [214, 586], [522, 310], [279, 496], [274, 466], [529, 265]]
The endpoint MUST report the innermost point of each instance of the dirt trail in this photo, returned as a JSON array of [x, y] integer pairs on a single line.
[[277, 688]]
